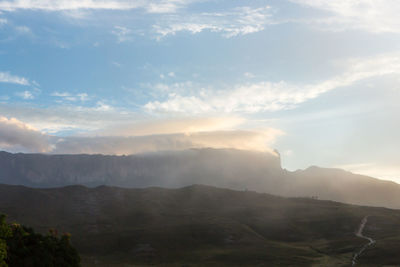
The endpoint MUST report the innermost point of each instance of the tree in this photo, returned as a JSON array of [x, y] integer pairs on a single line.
[[5, 233], [21, 246]]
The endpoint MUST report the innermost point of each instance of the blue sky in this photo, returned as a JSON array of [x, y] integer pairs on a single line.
[[316, 79]]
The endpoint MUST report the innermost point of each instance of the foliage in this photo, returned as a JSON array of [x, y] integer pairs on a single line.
[[5, 232], [21, 246]]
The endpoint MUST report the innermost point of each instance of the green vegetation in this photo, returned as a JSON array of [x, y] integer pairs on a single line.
[[205, 226], [21, 246]]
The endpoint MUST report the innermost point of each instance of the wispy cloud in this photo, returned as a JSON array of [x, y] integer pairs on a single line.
[[71, 97], [4, 97], [123, 34], [172, 16], [102, 106], [166, 6], [375, 16], [116, 64], [13, 32], [151, 6], [25, 95], [3, 21], [239, 21], [23, 30], [105, 120], [7, 77], [270, 96], [69, 117], [249, 75]]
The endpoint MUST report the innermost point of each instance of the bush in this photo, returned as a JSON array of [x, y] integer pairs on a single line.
[[21, 246]]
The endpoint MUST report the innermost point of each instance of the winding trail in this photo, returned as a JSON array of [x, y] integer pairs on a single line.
[[359, 233]]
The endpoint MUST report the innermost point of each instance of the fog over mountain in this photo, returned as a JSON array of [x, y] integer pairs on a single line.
[[228, 168]]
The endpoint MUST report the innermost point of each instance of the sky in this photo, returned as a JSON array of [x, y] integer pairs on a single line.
[[318, 80]]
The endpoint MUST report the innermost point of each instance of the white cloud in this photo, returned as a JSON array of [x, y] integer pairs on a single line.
[[83, 97], [173, 16], [170, 74], [375, 16], [151, 6], [249, 75], [3, 21], [246, 140], [23, 30], [270, 96], [64, 94], [239, 21], [15, 134], [166, 6], [164, 89], [18, 136], [101, 106], [102, 121], [116, 64], [70, 118], [71, 97], [123, 34], [6, 77], [35, 83], [25, 95], [105, 120], [172, 126]]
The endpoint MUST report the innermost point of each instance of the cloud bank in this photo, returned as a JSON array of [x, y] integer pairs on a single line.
[[246, 140], [18, 136], [186, 126]]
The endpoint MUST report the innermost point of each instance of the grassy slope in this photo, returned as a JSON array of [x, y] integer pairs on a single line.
[[204, 225]]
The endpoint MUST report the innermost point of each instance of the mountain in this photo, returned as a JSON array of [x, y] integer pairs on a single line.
[[202, 225], [343, 186], [228, 168], [225, 168]]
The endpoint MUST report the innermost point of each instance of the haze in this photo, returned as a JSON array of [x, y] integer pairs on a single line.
[[317, 80]]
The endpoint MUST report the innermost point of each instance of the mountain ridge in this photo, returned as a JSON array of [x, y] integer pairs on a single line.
[[226, 168]]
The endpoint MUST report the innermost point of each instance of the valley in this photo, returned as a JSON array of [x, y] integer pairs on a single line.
[[202, 225]]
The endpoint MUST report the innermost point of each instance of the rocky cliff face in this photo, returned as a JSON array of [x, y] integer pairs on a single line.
[[234, 169], [225, 168]]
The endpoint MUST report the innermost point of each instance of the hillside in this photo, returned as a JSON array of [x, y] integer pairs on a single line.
[[201, 225], [228, 168]]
